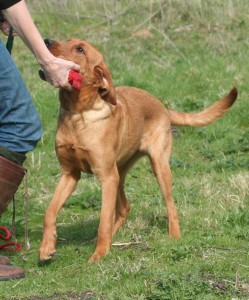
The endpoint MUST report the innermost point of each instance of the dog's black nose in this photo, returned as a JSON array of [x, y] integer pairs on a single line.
[[48, 42]]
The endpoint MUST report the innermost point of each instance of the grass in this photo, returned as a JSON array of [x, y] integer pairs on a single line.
[[188, 54]]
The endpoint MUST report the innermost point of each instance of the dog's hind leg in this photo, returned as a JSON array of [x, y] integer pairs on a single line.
[[122, 206], [159, 155], [63, 190]]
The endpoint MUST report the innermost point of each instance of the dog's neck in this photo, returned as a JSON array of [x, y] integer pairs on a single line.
[[77, 101], [90, 109]]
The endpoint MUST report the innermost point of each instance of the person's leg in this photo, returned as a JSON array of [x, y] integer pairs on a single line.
[[20, 130], [20, 125]]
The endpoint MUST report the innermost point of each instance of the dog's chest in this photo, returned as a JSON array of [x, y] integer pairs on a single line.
[[73, 156], [73, 146]]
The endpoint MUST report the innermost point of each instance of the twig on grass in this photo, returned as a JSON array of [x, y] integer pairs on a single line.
[[127, 244]]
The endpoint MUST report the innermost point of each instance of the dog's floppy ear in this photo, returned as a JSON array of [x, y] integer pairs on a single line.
[[105, 85]]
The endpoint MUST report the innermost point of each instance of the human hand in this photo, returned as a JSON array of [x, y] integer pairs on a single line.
[[5, 26], [57, 71]]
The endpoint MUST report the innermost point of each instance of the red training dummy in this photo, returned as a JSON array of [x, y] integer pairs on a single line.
[[75, 79]]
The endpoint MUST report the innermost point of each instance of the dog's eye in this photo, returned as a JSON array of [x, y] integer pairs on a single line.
[[80, 49]]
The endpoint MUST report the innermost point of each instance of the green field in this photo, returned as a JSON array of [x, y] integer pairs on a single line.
[[188, 53]]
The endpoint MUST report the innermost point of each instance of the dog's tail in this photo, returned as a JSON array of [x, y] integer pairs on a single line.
[[205, 117]]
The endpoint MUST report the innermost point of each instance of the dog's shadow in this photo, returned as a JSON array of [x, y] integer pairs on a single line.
[[77, 233]]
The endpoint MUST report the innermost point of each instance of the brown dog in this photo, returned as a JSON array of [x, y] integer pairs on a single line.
[[103, 130]]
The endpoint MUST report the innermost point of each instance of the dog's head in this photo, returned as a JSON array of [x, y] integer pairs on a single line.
[[92, 67]]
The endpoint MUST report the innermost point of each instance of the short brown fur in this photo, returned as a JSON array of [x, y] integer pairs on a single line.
[[105, 130]]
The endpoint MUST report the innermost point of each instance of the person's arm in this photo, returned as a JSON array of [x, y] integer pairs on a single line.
[[55, 69]]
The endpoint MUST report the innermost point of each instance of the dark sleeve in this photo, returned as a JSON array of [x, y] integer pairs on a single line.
[[4, 4]]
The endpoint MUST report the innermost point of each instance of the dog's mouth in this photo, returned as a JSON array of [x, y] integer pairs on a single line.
[[49, 43], [74, 78], [42, 75]]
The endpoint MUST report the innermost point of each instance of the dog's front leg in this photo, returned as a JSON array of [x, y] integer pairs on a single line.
[[109, 194], [64, 189]]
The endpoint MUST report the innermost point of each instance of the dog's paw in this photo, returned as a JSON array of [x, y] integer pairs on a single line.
[[174, 232], [47, 251], [47, 256], [98, 254], [94, 258]]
